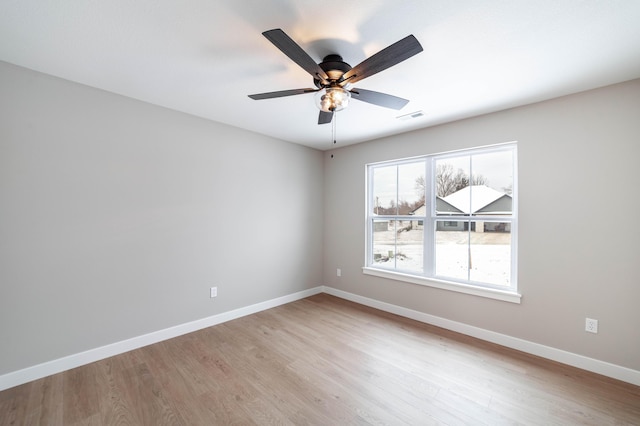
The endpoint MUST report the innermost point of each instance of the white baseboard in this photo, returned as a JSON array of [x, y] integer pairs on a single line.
[[45, 369], [596, 366], [39, 371]]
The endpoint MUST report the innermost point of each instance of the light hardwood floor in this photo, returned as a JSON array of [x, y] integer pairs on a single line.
[[322, 361]]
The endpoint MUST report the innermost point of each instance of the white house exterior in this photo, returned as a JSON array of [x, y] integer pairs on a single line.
[[473, 200]]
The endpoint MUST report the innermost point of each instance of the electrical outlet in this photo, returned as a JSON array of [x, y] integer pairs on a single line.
[[591, 325], [339, 272], [214, 292]]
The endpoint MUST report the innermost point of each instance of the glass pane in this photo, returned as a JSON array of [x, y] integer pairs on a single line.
[[495, 170], [452, 249], [410, 245], [451, 179], [493, 183], [410, 187], [385, 190], [384, 242], [491, 253], [452, 174], [398, 244]]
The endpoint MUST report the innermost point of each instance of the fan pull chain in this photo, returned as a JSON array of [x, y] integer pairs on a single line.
[[333, 127]]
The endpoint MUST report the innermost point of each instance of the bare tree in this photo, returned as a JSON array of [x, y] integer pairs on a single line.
[[449, 180], [420, 189], [479, 180], [461, 180], [445, 180]]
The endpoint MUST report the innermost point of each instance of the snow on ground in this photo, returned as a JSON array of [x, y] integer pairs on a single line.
[[490, 254]]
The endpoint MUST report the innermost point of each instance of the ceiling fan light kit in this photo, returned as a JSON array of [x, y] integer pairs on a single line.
[[334, 78], [332, 99]]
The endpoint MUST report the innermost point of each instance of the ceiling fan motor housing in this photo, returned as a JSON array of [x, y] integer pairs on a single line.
[[335, 67]]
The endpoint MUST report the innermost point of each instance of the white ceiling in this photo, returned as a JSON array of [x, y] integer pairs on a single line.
[[204, 57]]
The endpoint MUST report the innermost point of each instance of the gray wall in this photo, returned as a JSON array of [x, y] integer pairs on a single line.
[[117, 216], [578, 155]]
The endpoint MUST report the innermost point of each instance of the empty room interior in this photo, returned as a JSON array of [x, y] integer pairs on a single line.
[[279, 212]]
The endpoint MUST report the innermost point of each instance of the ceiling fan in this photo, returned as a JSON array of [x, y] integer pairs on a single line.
[[333, 78]]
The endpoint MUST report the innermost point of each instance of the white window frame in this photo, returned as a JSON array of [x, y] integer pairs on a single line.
[[428, 277]]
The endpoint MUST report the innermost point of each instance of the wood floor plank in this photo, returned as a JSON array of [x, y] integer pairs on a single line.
[[45, 401], [14, 404], [115, 407], [322, 361], [81, 399]]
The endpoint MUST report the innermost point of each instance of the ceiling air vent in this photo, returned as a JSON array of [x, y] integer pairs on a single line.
[[411, 115]]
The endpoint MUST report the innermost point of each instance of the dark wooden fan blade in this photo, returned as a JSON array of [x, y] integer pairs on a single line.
[[290, 48], [387, 57], [281, 93], [377, 98], [325, 117]]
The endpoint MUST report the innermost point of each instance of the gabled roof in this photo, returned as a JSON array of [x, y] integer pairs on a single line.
[[475, 199]]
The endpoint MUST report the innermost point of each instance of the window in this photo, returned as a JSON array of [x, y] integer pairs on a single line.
[[447, 220]]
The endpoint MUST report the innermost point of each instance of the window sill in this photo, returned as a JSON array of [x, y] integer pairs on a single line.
[[505, 296]]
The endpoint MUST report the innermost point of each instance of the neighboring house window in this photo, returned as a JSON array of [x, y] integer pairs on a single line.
[[446, 218]]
